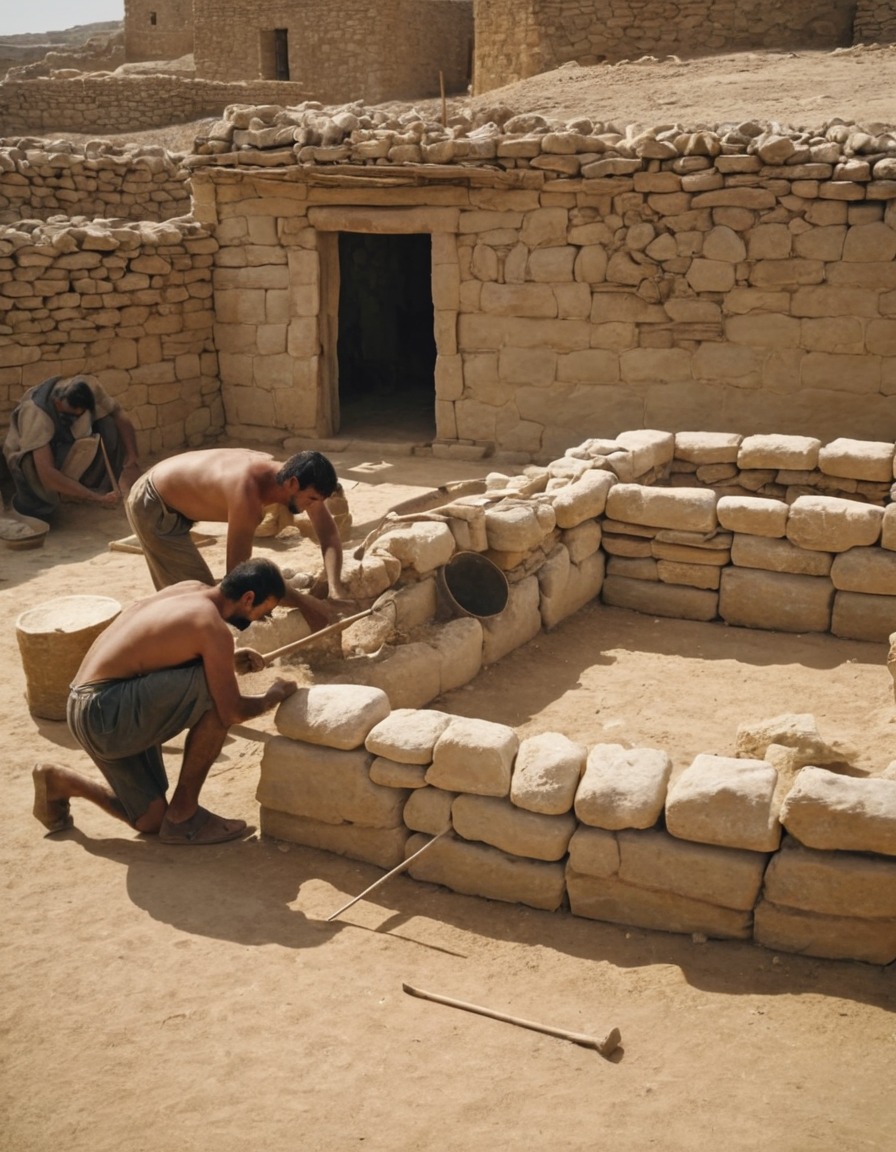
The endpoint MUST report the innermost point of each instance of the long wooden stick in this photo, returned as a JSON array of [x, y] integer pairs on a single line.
[[382, 880], [109, 471], [609, 1043], [305, 641]]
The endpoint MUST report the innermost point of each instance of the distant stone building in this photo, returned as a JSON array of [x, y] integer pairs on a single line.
[[157, 29]]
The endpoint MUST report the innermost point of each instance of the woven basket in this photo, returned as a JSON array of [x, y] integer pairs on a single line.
[[53, 640]]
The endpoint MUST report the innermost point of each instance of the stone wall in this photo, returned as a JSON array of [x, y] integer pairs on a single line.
[[875, 22], [383, 52], [129, 303], [40, 179], [158, 29], [516, 40], [586, 278], [114, 104], [770, 843]]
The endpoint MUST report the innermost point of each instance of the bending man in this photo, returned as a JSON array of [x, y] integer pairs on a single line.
[[232, 486], [65, 437], [165, 665]]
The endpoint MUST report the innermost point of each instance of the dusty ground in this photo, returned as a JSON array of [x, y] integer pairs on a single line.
[[155, 998]]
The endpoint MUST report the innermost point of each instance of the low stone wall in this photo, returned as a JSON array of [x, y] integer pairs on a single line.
[[113, 104], [40, 179], [129, 303]]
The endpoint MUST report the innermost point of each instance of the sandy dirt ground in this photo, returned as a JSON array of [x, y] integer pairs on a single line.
[[157, 998]]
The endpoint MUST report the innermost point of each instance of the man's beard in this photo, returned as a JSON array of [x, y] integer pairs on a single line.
[[240, 622]]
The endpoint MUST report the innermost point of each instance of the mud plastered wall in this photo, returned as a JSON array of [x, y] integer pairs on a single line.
[[130, 303], [514, 41], [586, 278], [770, 843]]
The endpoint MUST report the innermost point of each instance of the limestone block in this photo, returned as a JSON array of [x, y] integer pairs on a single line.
[[888, 529], [409, 676], [326, 784], [751, 598], [794, 730], [829, 937], [690, 509], [584, 540], [423, 546], [687, 554], [458, 645], [826, 810], [619, 903], [832, 883], [623, 787], [395, 774], [583, 584], [515, 831], [407, 735], [858, 459], [659, 599], [554, 572], [833, 524], [415, 604], [515, 527], [582, 500], [546, 773], [778, 555], [517, 624], [870, 570], [594, 852], [690, 575], [337, 715], [429, 810], [771, 451], [649, 448], [753, 515], [635, 568], [722, 800], [858, 616], [707, 447], [384, 847], [626, 546], [729, 877], [478, 870], [474, 756]]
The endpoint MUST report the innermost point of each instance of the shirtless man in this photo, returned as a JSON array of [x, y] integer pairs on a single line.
[[233, 486], [164, 665]]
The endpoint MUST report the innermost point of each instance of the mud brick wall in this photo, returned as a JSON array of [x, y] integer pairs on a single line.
[[129, 303]]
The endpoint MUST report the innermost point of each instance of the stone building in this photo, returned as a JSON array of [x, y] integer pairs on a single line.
[[158, 29]]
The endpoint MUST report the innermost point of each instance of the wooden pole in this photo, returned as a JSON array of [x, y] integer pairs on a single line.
[[382, 880]]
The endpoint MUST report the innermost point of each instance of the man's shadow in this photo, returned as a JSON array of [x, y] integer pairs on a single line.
[[238, 891]]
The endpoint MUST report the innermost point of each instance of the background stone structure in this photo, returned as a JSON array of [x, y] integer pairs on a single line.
[[158, 29]]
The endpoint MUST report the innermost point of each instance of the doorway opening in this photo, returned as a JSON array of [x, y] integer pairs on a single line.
[[386, 346], [273, 47]]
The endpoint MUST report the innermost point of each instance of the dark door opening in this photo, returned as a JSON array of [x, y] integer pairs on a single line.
[[386, 347], [281, 54]]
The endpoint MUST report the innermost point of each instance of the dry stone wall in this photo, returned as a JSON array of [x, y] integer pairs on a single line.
[[514, 41], [875, 22], [128, 302]]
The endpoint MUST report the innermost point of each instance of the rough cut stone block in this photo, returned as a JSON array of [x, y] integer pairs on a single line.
[[409, 676], [888, 529], [459, 647], [623, 787], [423, 546], [407, 735], [690, 575], [395, 774], [429, 810], [870, 570], [337, 715], [478, 870], [773, 555], [795, 730], [858, 616], [690, 509], [584, 540], [518, 527], [546, 773], [326, 784], [381, 846], [594, 852], [675, 600], [513, 830], [829, 937], [722, 800], [858, 459], [583, 500], [826, 810], [519, 623], [650, 448], [582, 585], [771, 451], [610, 899], [729, 877], [707, 447], [474, 756], [753, 515], [833, 524], [752, 598], [832, 883]]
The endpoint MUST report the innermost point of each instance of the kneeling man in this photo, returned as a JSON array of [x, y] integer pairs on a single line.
[[165, 665]]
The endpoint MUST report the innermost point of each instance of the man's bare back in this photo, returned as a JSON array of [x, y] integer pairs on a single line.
[[212, 483]]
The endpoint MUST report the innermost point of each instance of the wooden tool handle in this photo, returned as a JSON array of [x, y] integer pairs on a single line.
[[330, 629]]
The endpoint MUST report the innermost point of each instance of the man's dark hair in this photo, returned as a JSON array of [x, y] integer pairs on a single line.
[[257, 575], [77, 393], [312, 470]]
